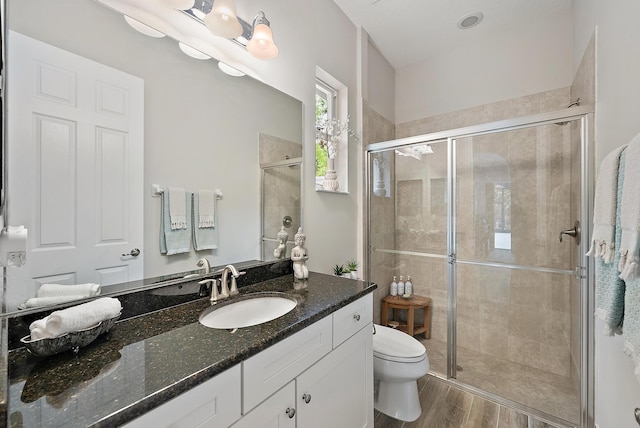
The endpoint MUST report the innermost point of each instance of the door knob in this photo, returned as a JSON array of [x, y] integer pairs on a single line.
[[135, 252], [574, 233]]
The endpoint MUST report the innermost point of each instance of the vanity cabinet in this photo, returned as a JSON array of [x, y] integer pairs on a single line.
[[215, 403], [321, 376], [277, 411], [335, 391]]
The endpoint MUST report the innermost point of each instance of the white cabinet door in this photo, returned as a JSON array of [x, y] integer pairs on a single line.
[[277, 411], [215, 403], [337, 391], [76, 150], [267, 372]]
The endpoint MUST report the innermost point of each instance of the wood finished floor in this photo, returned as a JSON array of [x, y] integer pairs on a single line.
[[446, 406]]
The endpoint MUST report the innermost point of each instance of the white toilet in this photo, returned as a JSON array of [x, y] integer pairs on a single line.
[[398, 361]]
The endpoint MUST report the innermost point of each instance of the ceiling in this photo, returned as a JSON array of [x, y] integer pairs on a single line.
[[409, 31]]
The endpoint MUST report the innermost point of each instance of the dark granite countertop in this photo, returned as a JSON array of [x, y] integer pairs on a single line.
[[145, 361]]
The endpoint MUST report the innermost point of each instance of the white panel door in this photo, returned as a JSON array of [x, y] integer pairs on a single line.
[[75, 154]]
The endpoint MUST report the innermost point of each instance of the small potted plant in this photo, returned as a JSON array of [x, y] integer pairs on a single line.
[[352, 267], [338, 270]]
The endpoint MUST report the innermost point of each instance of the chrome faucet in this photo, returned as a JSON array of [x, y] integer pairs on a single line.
[[203, 262], [224, 288], [214, 289]]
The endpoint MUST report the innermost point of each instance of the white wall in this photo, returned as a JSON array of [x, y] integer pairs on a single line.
[[380, 92], [617, 113], [508, 66], [310, 34]]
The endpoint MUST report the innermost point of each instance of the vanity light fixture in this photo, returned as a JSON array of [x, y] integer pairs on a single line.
[[261, 44], [223, 19], [143, 28], [193, 53], [220, 17], [180, 4], [231, 71]]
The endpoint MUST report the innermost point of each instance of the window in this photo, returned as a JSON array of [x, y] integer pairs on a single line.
[[332, 134], [326, 110], [502, 216]]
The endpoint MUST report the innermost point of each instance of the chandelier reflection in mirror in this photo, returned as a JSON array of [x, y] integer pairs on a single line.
[[220, 17]]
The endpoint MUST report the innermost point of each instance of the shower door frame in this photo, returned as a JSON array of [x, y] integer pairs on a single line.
[[584, 271]]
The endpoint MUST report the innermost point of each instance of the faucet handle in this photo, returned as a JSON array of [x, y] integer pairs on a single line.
[[214, 289]]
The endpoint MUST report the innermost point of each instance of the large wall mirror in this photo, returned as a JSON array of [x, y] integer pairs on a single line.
[[189, 125]]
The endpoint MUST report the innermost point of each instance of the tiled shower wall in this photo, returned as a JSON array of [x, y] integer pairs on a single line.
[[281, 190], [380, 129]]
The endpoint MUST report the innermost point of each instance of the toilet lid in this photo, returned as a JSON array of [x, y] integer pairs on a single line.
[[394, 345]]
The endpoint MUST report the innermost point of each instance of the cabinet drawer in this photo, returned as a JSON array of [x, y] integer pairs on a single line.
[[349, 320], [265, 373], [215, 403]]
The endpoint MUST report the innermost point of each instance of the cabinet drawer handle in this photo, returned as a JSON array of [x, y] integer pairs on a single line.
[[306, 398], [356, 317], [290, 412]]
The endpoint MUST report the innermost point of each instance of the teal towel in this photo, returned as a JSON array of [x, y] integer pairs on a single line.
[[178, 240], [610, 289], [204, 238], [631, 333]]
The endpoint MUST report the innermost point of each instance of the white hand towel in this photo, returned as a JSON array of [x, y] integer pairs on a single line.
[[206, 208], [604, 207], [52, 290], [630, 213], [38, 329], [35, 302], [177, 208], [82, 316]]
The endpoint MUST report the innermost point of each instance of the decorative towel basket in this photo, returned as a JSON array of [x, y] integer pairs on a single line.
[[70, 341]]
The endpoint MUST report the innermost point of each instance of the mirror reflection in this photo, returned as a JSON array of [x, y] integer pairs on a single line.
[[98, 114]]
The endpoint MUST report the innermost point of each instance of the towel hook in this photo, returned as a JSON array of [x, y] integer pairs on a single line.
[[574, 233]]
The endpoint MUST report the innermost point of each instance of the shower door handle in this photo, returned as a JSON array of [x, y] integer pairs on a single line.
[[574, 233]]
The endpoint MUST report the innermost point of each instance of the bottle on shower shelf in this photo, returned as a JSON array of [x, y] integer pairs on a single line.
[[393, 288], [401, 286], [408, 287]]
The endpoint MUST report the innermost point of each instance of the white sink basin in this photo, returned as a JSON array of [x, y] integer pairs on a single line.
[[251, 310]]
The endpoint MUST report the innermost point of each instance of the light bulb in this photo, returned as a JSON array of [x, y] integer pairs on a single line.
[[223, 20], [180, 4], [261, 44]]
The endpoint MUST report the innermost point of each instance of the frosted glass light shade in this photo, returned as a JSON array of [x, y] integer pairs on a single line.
[[261, 44], [192, 52], [180, 4], [143, 28], [231, 71], [223, 20]]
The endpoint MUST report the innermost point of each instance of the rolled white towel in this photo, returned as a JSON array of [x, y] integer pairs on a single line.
[[35, 302], [52, 290], [82, 316], [38, 329]]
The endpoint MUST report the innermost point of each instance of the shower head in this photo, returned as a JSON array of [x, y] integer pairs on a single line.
[[571, 104]]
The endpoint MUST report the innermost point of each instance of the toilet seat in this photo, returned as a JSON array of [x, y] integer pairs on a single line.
[[393, 345]]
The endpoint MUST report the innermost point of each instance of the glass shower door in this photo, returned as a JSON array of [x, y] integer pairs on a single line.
[[408, 221], [517, 297]]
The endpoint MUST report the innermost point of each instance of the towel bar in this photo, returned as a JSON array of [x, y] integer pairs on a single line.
[[157, 191]]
